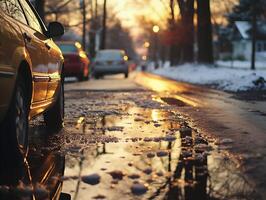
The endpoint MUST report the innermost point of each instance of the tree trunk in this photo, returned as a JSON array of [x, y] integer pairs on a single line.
[[254, 37], [84, 31], [171, 26], [92, 44], [186, 8], [205, 48], [188, 25], [103, 35], [175, 55], [39, 6]]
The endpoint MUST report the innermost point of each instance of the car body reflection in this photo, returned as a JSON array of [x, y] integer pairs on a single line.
[[37, 177]]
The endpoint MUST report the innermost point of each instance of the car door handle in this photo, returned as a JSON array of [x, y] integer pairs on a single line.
[[47, 46], [27, 37]]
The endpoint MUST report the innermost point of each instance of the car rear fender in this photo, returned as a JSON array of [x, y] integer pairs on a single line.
[[25, 69], [22, 61], [20, 64]]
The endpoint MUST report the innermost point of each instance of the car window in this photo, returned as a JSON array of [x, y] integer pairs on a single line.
[[15, 10], [109, 55], [32, 18], [68, 48]]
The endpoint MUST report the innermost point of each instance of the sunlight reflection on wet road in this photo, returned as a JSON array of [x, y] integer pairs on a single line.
[[148, 145], [131, 145]]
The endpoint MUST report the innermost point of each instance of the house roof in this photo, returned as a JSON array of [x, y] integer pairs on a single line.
[[245, 29]]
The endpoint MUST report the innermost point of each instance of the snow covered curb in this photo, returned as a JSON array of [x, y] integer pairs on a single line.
[[227, 79]]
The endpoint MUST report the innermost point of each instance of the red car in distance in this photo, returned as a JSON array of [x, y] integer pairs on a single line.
[[76, 61]]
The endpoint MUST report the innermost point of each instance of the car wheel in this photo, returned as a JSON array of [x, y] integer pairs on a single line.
[[80, 78], [97, 76], [54, 117], [15, 126], [86, 78], [126, 75]]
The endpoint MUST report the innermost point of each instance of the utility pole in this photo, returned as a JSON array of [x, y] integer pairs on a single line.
[[83, 7], [93, 28], [254, 39], [103, 36], [96, 8]]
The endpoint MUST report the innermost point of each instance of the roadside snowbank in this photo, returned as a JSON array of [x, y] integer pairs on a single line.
[[228, 79]]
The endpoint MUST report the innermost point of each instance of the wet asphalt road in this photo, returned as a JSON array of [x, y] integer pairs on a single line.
[[124, 141]]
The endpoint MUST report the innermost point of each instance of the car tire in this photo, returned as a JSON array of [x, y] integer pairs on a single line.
[[86, 78], [126, 75], [97, 76], [80, 78], [14, 130], [54, 117]]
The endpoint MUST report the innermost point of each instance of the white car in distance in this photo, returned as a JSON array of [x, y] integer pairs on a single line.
[[110, 62]]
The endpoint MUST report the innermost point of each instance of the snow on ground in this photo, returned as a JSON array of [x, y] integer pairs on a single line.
[[228, 79]]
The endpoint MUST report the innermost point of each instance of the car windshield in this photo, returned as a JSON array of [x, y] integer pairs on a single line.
[[68, 48], [109, 55]]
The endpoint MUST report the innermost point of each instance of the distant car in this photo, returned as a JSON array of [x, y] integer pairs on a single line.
[[76, 61], [31, 67], [110, 62]]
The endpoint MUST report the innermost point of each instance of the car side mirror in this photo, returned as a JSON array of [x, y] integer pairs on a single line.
[[55, 29]]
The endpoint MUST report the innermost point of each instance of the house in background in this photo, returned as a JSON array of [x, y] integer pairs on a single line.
[[242, 41]]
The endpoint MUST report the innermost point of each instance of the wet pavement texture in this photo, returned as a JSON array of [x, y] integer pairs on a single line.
[[128, 143]]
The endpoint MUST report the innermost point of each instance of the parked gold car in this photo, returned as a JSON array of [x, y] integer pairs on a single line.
[[31, 67]]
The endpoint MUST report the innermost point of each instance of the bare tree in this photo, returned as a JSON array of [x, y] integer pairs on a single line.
[[84, 23], [187, 20], [94, 26], [174, 51], [205, 48], [103, 36]]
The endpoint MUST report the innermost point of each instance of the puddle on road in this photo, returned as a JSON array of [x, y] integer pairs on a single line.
[[145, 151], [173, 101], [116, 146]]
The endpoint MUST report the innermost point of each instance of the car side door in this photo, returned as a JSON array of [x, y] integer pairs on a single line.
[[52, 58], [35, 42], [10, 41]]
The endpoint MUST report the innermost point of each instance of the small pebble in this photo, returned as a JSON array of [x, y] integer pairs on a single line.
[[139, 189], [92, 179]]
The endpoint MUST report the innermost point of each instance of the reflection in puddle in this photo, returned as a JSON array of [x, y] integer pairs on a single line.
[[146, 153], [37, 177], [128, 148]]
